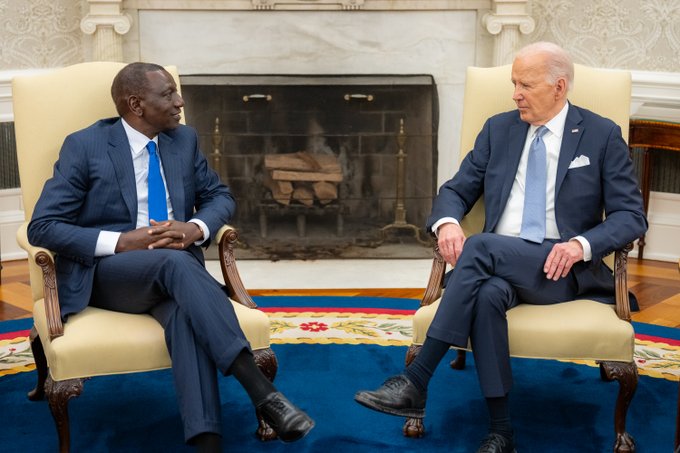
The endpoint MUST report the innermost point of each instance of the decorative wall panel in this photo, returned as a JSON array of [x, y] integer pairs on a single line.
[[40, 33], [625, 34]]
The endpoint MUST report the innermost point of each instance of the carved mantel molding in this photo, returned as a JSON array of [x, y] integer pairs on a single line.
[[504, 19], [333, 4], [508, 19], [309, 5], [108, 23]]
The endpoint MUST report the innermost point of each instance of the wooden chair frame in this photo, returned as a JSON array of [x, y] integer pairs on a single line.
[[624, 372]]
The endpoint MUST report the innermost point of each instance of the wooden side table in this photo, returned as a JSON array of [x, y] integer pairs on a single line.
[[651, 135]]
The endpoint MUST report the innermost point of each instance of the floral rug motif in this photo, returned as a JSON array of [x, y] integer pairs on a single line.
[[655, 356]]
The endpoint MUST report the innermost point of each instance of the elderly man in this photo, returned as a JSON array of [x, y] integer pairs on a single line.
[[560, 194], [130, 202]]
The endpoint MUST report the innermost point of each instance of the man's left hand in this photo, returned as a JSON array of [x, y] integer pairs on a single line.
[[165, 230], [561, 258]]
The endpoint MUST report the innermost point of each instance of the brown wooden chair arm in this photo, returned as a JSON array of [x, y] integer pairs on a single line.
[[45, 260], [433, 291], [621, 282], [227, 237]]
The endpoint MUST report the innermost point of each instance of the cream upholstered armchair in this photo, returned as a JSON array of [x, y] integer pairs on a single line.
[[95, 342], [575, 330]]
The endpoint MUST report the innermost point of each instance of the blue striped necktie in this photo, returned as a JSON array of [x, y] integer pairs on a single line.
[[158, 208], [533, 217]]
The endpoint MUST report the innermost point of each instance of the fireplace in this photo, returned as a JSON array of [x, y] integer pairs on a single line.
[[322, 166]]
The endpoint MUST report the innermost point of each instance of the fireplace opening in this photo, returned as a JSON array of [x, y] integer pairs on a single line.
[[322, 166]]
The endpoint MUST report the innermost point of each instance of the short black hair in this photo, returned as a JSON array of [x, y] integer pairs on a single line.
[[131, 80]]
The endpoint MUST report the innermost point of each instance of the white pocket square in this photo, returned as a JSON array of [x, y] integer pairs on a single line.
[[580, 161]]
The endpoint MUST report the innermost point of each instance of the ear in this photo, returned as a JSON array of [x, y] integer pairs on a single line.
[[561, 88], [134, 103]]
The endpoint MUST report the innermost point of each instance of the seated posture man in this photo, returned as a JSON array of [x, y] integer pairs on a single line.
[[130, 201], [548, 172]]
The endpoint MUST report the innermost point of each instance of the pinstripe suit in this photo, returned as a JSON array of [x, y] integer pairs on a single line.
[[93, 189], [495, 272]]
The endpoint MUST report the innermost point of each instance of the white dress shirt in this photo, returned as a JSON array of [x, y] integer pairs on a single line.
[[107, 240], [510, 222]]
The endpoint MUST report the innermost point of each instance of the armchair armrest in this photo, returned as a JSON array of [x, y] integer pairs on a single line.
[[435, 283], [433, 291], [45, 260], [227, 236], [621, 282]]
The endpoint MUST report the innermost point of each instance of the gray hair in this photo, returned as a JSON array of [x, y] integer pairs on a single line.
[[559, 63]]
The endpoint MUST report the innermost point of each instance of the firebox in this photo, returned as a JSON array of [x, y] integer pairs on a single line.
[[322, 166]]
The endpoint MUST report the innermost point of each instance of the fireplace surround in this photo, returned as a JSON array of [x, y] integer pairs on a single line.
[[379, 131]]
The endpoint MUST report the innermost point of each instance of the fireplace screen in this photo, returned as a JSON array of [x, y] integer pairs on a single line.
[[322, 166]]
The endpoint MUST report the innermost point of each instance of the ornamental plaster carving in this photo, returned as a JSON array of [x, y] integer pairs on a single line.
[[39, 33], [630, 34], [337, 4]]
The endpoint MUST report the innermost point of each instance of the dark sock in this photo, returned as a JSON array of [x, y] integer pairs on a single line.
[[422, 368], [208, 443], [499, 415], [250, 377]]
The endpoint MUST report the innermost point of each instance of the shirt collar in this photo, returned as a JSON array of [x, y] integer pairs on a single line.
[[555, 125], [138, 141]]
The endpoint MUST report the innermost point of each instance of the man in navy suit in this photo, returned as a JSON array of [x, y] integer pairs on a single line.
[[94, 213], [589, 206]]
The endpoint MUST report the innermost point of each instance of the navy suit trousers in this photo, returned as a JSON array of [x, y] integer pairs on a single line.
[[201, 329], [493, 274]]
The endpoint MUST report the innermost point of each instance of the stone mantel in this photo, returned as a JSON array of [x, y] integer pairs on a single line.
[[310, 5]]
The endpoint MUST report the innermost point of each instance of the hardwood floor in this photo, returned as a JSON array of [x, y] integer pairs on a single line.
[[655, 283]]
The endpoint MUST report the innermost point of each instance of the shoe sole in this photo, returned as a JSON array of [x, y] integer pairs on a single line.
[[376, 406], [297, 435]]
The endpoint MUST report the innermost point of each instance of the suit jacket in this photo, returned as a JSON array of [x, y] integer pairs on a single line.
[[607, 187], [93, 189]]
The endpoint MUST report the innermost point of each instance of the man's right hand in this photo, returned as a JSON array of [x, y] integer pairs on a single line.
[[156, 236], [450, 238]]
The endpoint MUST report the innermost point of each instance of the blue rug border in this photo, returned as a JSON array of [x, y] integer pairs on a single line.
[[356, 302]]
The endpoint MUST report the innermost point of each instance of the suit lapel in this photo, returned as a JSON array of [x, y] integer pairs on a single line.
[[173, 174], [119, 153], [516, 139], [573, 131]]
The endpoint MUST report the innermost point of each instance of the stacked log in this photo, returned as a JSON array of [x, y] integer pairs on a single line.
[[302, 177]]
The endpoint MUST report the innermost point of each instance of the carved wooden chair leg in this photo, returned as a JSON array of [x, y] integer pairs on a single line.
[[58, 395], [38, 393], [627, 375], [267, 363], [413, 427], [459, 362]]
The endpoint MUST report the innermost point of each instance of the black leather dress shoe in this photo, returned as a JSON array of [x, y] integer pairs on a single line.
[[397, 396], [495, 443], [289, 422]]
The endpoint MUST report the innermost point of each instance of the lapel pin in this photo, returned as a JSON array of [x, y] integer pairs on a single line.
[[573, 131]]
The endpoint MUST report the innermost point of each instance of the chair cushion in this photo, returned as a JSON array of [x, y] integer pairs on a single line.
[[100, 342], [575, 330]]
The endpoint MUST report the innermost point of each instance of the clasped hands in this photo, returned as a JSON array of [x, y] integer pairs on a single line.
[[169, 234], [451, 239]]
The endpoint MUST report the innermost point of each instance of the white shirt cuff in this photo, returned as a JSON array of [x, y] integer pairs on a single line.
[[106, 243], [441, 222], [204, 228], [587, 252]]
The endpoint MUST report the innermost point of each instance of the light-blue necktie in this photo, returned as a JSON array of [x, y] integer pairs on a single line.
[[533, 217], [158, 208]]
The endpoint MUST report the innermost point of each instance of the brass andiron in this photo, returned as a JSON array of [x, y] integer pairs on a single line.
[[400, 209], [216, 155]]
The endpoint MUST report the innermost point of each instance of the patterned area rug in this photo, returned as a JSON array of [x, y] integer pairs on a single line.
[[367, 320]]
